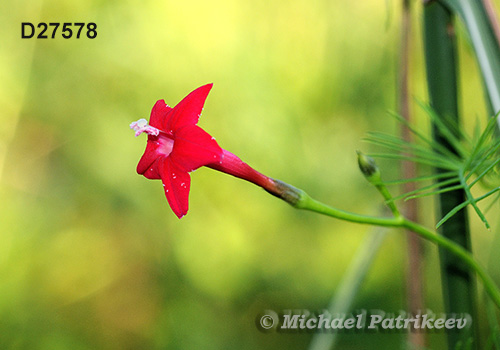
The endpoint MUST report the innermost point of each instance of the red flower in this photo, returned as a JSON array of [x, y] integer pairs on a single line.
[[176, 146]]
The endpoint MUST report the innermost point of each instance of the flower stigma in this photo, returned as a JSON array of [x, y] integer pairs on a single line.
[[141, 126]]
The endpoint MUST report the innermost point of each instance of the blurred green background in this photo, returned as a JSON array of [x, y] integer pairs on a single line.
[[92, 257]]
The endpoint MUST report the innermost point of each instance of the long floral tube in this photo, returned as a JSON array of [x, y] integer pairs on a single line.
[[233, 165]]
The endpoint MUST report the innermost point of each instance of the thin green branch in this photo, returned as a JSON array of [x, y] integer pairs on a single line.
[[446, 132], [434, 176], [451, 213], [464, 204], [301, 200], [446, 165], [429, 187], [438, 147], [396, 144], [495, 200], [442, 190], [487, 194], [491, 166], [472, 201], [488, 131], [306, 202]]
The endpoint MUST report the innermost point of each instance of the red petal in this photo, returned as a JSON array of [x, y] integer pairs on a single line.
[[159, 114], [147, 165], [176, 184], [188, 111], [193, 148], [153, 172]]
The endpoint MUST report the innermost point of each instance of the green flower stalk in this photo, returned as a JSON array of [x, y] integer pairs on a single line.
[[371, 172], [301, 200]]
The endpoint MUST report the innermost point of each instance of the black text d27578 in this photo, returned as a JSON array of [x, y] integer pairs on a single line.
[[50, 30]]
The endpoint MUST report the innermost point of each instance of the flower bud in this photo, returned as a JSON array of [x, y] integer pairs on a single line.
[[368, 167]]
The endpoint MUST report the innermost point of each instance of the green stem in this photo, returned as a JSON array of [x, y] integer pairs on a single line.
[[459, 292], [460, 252], [307, 203]]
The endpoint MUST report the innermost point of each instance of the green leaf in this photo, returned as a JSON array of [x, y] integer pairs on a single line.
[[477, 156]]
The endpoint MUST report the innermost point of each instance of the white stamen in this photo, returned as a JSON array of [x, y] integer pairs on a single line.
[[141, 126]]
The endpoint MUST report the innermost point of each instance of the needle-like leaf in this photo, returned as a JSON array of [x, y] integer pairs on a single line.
[[477, 157]]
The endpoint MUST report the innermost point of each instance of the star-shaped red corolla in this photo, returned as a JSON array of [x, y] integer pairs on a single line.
[[176, 146]]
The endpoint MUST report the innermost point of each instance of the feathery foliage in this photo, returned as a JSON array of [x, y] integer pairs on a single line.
[[476, 159]]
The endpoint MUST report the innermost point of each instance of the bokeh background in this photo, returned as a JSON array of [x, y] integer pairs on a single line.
[[91, 256]]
